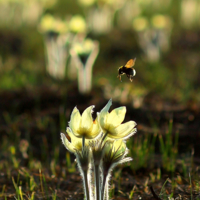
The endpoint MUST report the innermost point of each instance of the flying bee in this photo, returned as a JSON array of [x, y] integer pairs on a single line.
[[128, 70]]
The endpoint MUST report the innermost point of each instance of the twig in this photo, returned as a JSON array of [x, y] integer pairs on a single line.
[[154, 194]]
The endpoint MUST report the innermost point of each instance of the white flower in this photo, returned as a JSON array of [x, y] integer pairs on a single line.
[[74, 144], [115, 152], [84, 126], [111, 122]]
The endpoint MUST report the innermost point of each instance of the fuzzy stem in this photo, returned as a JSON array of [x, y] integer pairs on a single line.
[[104, 191], [86, 189], [97, 180]]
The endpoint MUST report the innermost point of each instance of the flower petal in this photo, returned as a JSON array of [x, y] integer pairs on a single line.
[[69, 146], [72, 136], [95, 129], [119, 146], [76, 141], [131, 134], [87, 121], [116, 117], [122, 131], [124, 160], [75, 121], [103, 115], [69, 132]]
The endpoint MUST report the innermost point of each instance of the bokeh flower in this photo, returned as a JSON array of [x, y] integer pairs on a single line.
[[77, 24], [161, 22], [85, 47], [140, 23], [50, 24]]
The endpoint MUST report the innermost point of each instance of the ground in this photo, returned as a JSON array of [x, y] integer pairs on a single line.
[[36, 121]]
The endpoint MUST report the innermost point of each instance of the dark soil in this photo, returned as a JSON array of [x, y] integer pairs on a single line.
[[25, 107]]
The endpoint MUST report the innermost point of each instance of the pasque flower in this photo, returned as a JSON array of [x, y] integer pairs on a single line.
[[84, 126], [114, 153], [99, 146], [74, 144], [111, 122]]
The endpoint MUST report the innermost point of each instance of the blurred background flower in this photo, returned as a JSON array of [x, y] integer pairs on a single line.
[[123, 29]]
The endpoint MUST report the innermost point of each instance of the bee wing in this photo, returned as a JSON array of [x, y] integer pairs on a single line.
[[130, 63]]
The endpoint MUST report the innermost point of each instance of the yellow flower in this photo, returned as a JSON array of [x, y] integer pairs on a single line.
[[60, 26], [75, 143], [161, 21], [84, 126], [84, 47], [115, 151], [111, 122], [77, 24], [140, 23], [49, 23], [72, 145]]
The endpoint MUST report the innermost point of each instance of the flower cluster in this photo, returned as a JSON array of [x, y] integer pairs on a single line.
[[99, 146], [50, 24]]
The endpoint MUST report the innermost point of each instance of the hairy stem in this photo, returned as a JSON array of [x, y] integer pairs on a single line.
[[97, 181], [86, 185], [104, 190]]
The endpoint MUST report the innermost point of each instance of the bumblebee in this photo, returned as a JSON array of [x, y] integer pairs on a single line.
[[128, 70]]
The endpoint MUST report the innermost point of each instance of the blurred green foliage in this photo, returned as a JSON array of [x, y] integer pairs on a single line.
[[174, 74]]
